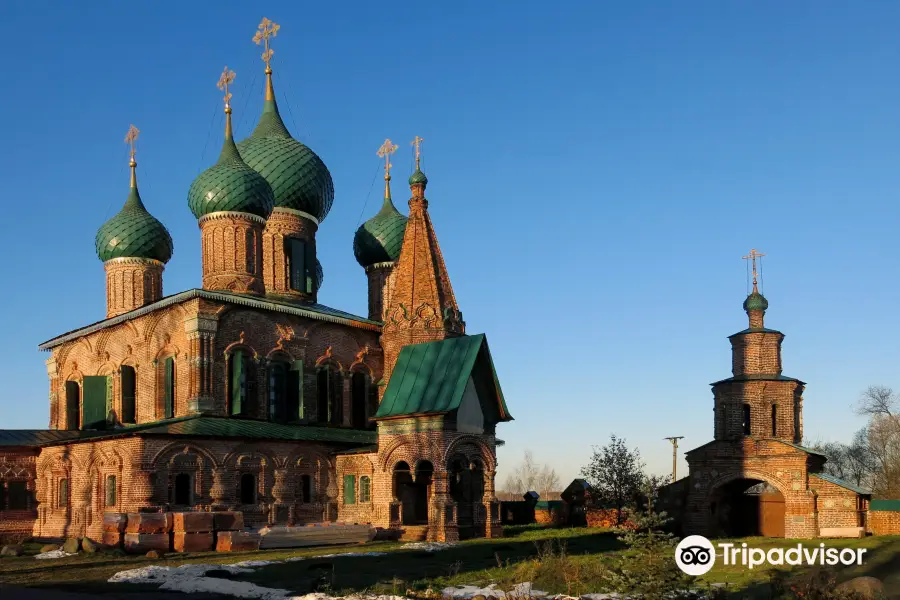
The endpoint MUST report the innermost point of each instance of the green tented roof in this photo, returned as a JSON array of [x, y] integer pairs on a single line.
[[841, 483], [431, 378], [39, 437], [884, 505], [310, 310], [223, 427], [758, 377]]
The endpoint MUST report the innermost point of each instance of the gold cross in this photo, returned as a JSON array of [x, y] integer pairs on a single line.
[[267, 29], [417, 142], [224, 81], [385, 151], [131, 137], [753, 256]]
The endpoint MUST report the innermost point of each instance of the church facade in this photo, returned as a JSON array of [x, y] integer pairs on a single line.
[[247, 394]]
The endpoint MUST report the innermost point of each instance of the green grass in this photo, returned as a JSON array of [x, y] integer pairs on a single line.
[[513, 558]]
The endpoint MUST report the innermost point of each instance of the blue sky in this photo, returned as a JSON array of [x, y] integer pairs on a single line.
[[597, 170]]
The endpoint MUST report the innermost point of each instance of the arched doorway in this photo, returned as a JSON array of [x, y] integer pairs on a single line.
[[747, 507], [467, 490]]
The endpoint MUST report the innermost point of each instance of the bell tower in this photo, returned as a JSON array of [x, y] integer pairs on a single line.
[[758, 401]]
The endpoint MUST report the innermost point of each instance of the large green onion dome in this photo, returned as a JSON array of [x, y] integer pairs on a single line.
[[133, 232], [230, 184], [756, 301], [380, 239], [299, 178]]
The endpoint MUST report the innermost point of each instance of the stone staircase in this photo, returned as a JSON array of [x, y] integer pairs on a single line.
[[414, 533]]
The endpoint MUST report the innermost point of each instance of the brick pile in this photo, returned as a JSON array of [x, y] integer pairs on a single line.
[[178, 532], [193, 532]]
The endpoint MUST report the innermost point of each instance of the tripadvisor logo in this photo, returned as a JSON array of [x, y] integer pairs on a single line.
[[696, 555]]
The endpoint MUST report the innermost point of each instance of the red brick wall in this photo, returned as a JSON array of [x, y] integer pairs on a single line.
[[884, 522], [132, 283], [837, 506], [231, 248]]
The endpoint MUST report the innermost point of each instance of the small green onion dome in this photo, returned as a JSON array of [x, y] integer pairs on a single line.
[[380, 239], [133, 232], [756, 301], [418, 177], [299, 178], [230, 185], [320, 275]]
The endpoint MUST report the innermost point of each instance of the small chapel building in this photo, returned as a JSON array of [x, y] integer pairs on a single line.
[[246, 393], [755, 478]]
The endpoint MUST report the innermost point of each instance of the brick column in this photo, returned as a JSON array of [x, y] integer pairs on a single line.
[[201, 334], [492, 527], [55, 412], [442, 526]]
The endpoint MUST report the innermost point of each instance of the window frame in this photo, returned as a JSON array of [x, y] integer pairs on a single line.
[[128, 401], [62, 500], [747, 417], [365, 484], [110, 491]]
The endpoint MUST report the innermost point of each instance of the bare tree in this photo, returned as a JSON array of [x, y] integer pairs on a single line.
[[531, 476], [882, 406]]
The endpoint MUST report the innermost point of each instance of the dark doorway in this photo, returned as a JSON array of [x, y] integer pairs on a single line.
[[424, 475], [183, 489], [405, 492], [248, 488], [467, 490], [747, 507], [129, 387]]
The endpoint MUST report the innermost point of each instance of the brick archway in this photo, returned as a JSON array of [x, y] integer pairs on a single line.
[[747, 503]]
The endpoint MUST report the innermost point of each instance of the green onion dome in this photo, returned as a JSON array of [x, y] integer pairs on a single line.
[[380, 239], [230, 184], [299, 178], [418, 177], [756, 301], [133, 232]]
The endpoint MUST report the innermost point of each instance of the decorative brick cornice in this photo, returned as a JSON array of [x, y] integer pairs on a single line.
[[230, 215]]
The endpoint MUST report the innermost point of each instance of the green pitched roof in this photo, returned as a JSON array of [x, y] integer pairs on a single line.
[[431, 378], [230, 427], [380, 239], [310, 310], [230, 185], [133, 232], [841, 483], [299, 178], [38, 437]]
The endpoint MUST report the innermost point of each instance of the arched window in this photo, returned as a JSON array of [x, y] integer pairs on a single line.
[[73, 405], [365, 489], [360, 383], [329, 395], [110, 490], [62, 497], [300, 263], [774, 420], [168, 387], [128, 391], [248, 488], [746, 419], [278, 391], [305, 493], [182, 492]]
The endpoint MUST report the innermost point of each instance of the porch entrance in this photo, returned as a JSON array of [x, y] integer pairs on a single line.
[[747, 507]]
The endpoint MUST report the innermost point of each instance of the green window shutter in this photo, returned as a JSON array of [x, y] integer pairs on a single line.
[[237, 382], [94, 409], [73, 405], [349, 489], [169, 389], [109, 401], [295, 391]]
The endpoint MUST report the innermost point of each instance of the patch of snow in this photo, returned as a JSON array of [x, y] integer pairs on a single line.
[[465, 592], [427, 546], [53, 554]]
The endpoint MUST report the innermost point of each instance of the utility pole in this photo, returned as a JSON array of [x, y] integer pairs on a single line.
[[674, 441]]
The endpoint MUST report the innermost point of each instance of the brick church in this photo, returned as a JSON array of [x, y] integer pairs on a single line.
[[247, 394], [754, 477]]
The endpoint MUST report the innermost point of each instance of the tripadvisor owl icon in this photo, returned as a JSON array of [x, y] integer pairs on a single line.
[[695, 555]]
